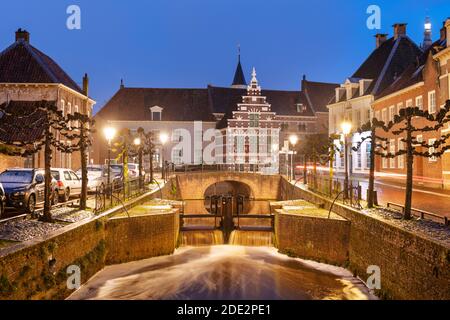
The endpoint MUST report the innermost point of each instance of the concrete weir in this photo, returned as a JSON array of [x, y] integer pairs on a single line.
[[412, 266]]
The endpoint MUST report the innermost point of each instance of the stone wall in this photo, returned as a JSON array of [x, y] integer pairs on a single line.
[[194, 185], [412, 266], [319, 239], [137, 238], [37, 269]]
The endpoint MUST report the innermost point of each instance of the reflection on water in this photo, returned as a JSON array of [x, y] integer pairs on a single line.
[[223, 272]]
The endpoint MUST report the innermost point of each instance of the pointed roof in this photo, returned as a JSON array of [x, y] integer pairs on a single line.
[[387, 62], [253, 89], [23, 63], [239, 78]]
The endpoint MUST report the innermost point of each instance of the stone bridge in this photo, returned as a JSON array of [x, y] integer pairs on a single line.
[[194, 185]]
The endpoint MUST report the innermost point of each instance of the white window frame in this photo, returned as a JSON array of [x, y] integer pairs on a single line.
[[384, 161], [391, 113], [156, 109], [401, 158], [432, 150], [419, 138], [63, 107], [409, 103], [419, 99], [432, 102], [392, 151], [399, 107], [378, 115], [384, 114]]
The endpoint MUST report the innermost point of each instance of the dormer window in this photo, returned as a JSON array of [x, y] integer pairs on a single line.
[[301, 108], [156, 112]]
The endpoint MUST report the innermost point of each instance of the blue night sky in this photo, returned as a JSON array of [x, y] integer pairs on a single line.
[[192, 43]]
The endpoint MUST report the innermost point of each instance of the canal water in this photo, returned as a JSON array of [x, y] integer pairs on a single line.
[[223, 272]]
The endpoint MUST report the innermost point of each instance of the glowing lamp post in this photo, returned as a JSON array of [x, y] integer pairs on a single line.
[[293, 139], [163, 138], [109, 133], [346, 129]]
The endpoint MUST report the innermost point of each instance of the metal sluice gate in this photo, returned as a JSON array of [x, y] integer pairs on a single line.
[[227, 212]]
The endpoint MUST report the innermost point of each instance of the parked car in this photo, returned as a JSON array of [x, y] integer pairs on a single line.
[[24, 188], [133, 170], [68, 183], [116, 172], [97, 177], [2, 200]]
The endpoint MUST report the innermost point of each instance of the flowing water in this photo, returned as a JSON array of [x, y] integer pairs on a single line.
[[223, 272], [215, 237]]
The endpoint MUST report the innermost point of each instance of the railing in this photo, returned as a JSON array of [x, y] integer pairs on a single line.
[[117, 193], [334, 188], [422, 214]]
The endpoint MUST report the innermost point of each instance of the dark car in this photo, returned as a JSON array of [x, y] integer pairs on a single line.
[[24, 188], [2, 200]]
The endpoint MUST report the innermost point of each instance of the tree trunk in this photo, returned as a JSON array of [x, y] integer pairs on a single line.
[[125, 169], [47, 216], [140, 167], [371, 191], [151, 164], [409, 170], [84, 173]]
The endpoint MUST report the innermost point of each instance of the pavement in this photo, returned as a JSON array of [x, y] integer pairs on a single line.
[[424, 198]]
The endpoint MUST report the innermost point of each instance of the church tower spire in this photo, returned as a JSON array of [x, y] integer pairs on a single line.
[[239, 78]]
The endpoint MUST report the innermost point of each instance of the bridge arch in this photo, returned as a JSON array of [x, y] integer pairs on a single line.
[[195, 185]]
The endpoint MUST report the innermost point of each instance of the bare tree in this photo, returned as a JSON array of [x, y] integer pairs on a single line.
[[29, 127], [81, 131], [403, 125]]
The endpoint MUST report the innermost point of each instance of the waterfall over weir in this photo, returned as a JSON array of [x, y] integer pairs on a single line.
[[237, 238], [228, 220]]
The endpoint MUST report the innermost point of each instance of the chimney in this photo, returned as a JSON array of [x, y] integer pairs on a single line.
[[303, 82], [22, 35], [447, 27], [380, 39], [122, 85], [399, 30], [86, 85]]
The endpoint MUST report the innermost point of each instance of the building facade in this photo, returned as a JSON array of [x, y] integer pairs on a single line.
[[426, 85], [27, 74], [203, 123], [354, 98]]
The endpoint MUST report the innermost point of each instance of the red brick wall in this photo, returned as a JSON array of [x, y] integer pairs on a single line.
[[424, 169]]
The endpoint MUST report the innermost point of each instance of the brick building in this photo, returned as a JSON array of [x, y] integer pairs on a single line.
[[353, 99], [192, 113], [425, 84], [27, 75]]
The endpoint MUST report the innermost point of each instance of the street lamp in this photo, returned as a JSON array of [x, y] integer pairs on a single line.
[[109, 133], [293, 139], [163, 137], [346, 129]]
